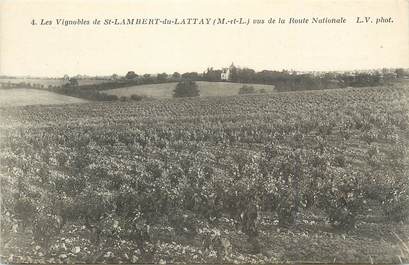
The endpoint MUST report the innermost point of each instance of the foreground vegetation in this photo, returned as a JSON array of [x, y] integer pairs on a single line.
[[307, 176]]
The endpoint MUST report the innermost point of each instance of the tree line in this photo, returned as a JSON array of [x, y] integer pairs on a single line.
[[282, 81]]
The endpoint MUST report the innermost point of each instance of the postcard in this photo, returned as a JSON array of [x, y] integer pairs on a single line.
[[179, 131]]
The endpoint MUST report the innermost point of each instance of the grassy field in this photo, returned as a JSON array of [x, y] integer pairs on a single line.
[[207, 89], [28, 96], [84, 82], [37, 81]]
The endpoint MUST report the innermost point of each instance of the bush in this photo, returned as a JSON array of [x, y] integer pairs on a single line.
[[137, 97], [186, 88], [396, 208], [392, 193], [246, 90], [342, 197], [262, 91]]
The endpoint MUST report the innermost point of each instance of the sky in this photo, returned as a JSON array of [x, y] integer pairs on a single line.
[[104, 50]]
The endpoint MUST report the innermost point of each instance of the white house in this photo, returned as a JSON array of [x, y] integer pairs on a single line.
[[225, 75]]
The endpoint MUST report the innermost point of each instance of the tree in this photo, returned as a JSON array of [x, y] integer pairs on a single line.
[[147, 79], [176, 75], [245, 75], [400, 72], [234, 77], [212, 75], [131, 75], [191, 76], [186, 88], [163, 77], [73, 82]]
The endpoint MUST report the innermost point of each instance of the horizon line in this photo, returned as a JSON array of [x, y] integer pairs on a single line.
[[5, 75]]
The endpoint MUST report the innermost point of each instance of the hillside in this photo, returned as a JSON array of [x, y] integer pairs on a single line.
[[28, 96], [207, 89], [46, 82]]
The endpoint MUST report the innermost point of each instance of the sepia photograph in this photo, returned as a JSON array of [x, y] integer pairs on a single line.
[[208, 132]]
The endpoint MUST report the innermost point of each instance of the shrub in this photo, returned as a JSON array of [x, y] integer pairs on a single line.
[[262, 91], [392, 193], [137, 97], [186, 88], [246, 90], [45, 226], [342, 197], [340, 160], [396, 208]]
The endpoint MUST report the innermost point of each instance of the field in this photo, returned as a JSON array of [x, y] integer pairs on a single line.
[[28, 96], [84, 82], [315, 176], [207, 89], [38, 81], [58, 82]]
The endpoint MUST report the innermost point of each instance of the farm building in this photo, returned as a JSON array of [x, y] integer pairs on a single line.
[[225, 75]]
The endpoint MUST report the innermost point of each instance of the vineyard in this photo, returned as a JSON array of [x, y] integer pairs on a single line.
[[313, 176]]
